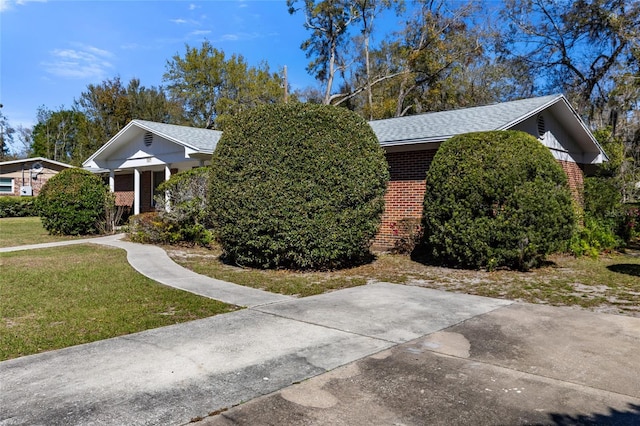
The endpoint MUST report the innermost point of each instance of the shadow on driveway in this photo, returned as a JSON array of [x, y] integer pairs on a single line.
[[615, 417]]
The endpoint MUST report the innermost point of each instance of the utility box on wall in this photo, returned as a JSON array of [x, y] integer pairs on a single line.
[[26, 191]]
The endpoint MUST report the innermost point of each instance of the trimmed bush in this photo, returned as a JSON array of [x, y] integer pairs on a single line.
[[72, 203], [17, 206], [187, 195], [297, 186], [182, 219], [495, 199]]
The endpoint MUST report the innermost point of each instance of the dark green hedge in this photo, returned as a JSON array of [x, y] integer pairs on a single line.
[[72, 203], [17, 206], [297, 186], [495, 199]]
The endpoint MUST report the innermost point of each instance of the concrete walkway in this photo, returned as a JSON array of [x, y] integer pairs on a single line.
[[404, 355], [153, 262]]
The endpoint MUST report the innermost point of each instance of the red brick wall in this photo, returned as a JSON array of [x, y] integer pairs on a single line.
[[123, 189], [406, 188], [576, 179], [405, 193]]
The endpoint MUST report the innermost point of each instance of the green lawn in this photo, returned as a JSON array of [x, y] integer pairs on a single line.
[[17, 231], [206, 262], [59, 297], [610, 283]]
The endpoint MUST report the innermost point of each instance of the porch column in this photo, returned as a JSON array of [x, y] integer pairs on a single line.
[[112, 181], [136, 191], [167, 176]]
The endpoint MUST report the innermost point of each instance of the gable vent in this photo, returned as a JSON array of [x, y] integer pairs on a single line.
[[148, 139], [542, 129]]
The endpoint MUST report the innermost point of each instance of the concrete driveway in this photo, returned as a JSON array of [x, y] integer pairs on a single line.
[[519, 364], [376, 354]]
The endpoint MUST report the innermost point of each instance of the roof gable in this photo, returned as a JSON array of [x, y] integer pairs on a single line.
[[36, 160], [193, 140]]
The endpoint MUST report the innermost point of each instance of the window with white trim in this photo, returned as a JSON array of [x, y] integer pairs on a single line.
[[6, 186]]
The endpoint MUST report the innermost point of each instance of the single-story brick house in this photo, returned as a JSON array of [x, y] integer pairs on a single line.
[[25, 177], [144, 153]]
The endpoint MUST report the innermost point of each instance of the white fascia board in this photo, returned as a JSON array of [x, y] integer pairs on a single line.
[[601, 154], [194, 152], [416, 141], [36, 160], [111, 141], [531, 113]]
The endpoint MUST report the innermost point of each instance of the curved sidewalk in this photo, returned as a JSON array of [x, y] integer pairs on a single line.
[[153, 262]]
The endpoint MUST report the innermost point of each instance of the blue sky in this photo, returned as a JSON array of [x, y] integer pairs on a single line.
[[51, 50]]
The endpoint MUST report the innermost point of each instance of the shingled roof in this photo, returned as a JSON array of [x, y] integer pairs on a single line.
[[204, 140], [197, 140], [439, 126]]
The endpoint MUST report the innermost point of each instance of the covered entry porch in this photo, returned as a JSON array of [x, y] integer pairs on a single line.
[[144, 154]]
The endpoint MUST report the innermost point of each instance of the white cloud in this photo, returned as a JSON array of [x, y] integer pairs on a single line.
[[178, 21], [192, 6], [239, 36], [229, 37], [199, 32], [8, 4], [82, 62]]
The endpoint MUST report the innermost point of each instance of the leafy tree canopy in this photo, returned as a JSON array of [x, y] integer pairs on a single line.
[[211, 88]]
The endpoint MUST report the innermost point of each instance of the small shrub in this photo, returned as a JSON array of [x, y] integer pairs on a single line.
[[495, 199], [181, 210], [409, 232], [602, 197], [630, 226], [17, 206], [113, 214], [151, 228], [297, 186], [186, 193], [72, 203], [594, 237], [148, 228], [607, 224]]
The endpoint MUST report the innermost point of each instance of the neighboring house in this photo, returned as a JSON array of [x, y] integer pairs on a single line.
[[26, 177], [144, 154]]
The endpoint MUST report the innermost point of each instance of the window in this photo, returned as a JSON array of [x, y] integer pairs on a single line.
[[6, 186]]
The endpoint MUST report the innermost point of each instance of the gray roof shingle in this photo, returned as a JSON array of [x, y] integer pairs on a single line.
[[438, 126], [204, 140]]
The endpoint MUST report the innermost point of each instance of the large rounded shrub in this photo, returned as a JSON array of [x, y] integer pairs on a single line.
[[297, 186], [495, 199], [72, 203]]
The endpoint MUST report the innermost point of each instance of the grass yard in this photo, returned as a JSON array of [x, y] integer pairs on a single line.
[[206, 262], [64, 296], [610, 283], [17, 231]]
